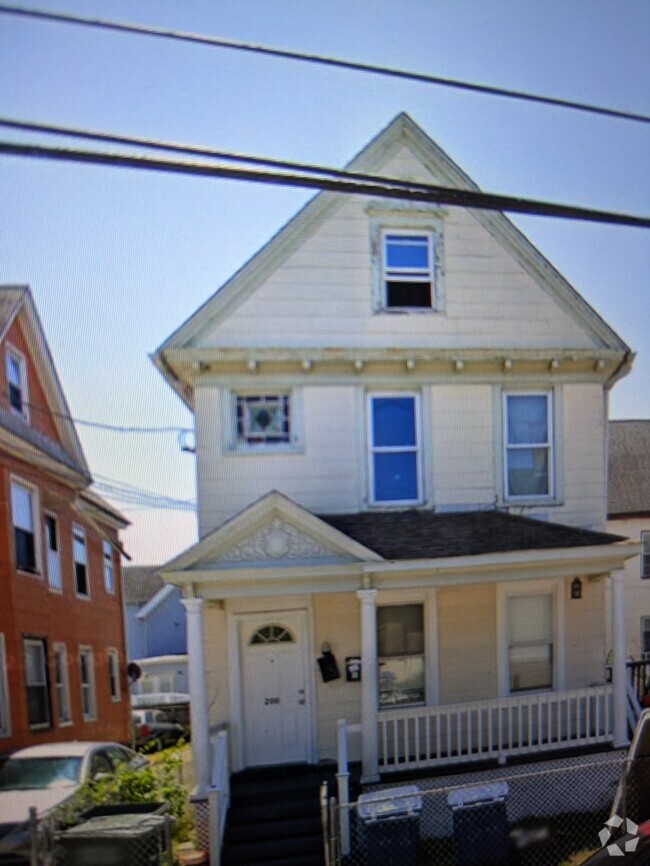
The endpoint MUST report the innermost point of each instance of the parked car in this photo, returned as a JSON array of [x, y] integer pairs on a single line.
[[45, 777], [155, 729]]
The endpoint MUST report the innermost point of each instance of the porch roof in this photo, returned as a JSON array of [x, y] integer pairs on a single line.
[[397, 535]]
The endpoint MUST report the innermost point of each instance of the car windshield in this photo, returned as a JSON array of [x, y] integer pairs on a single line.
[[21, 774]]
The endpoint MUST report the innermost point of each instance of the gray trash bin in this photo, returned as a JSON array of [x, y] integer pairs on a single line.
[[134, 839], [389, 826], [481, 831]]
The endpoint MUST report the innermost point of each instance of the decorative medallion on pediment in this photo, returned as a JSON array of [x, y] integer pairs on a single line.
[[276, 540]]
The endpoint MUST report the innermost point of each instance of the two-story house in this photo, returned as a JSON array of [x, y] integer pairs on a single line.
[[401, 415], [62, 647]]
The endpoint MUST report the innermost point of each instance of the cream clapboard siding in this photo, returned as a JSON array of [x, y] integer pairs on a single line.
[[637, 590], [586, 650], [321, 295], [462, 454]]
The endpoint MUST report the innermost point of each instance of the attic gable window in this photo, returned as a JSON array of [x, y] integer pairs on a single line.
[[263, 419], [17, 382], [408, 269]]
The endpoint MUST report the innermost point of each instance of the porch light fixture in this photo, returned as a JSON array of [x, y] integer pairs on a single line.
[[576, 588]]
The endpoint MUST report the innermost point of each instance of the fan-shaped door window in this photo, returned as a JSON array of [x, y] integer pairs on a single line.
[[272, 634]]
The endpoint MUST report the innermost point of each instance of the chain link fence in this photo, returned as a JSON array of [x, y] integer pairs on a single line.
[[520, 816]]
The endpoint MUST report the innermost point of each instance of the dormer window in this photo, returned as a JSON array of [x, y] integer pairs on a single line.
[[17, 382], [408, 269]]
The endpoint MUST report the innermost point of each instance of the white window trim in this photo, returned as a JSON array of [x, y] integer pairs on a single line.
[[82, 531], [232, 445], [5, 723], [113, 657], [414, 220], [63, 651], [36, 524], [644, 538], [56, 589], [109, 563], [554, 409], [505, 591], [39, 726], [88, 651], [18, 356], [370, 450]]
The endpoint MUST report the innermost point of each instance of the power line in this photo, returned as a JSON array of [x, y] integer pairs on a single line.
[[452, 197], [121, 491], [319, 59]]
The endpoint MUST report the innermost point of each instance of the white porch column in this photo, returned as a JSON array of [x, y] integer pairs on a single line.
[[369, 686], [619, 672], [198, 693]]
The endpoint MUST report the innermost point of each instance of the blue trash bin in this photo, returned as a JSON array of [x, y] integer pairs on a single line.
[[389, 826], [481, 831]]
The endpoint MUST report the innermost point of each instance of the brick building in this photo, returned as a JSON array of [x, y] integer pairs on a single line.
[[62, 644]]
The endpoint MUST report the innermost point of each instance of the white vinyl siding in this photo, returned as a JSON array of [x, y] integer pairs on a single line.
[[87, 680], [80, 561], [528, 445], [36, 683], [62, 684], [113, 659], [24, 510], [109, 572], [5, 713]]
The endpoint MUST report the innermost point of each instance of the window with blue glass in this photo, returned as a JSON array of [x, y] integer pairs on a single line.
[[394, 449], [528, 445], [408, 269]]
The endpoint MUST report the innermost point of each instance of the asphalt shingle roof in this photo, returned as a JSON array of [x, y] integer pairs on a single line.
[[427, 535], [140, 583], [629, 467]]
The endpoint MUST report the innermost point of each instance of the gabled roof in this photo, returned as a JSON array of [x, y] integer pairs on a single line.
[[401, 131], [140, 583], [17, 301], [629, 468], [404, 535]]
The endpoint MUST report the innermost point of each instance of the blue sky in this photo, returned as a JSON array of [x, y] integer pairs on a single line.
[[118, 259]]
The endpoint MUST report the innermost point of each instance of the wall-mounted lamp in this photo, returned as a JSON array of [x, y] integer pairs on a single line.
[[576, 588]]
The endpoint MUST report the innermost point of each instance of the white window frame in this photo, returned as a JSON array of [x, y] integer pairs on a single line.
[[45, 684], [113, 660], [17, 356], [109, 566], [550, 445], [505, 591], [82, 532], [232, 444], [36, 525], [62, 687], [89, 654], [409, 274], [53, 557], [371, 450], [645, 555], [5, 708]]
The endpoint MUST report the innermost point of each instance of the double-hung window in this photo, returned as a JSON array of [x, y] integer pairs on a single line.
[[109, 578], [394, 449], [24, 509], [87, 680], [80, 558], [53, 554], [17, 383], [5, 718], [408, 269], [114, 675], [400, 651], [36, 683], [62, 684], [645, 556], [528, 446], [530, 636]]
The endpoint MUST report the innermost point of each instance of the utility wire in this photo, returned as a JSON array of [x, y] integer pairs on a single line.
[[388, 189], [340, 63]]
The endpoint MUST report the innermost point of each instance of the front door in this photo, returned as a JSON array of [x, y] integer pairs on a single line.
[[275, 688]]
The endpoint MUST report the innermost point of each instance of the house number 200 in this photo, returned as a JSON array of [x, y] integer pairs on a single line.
[[269, 701]]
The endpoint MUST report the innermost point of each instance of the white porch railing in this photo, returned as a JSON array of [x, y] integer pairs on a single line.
[[421, 737], [218, 796]]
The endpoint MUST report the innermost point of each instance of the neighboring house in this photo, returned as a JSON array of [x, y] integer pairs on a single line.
[[401, 426], [62, 647], [155, 637], [629, 515]]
